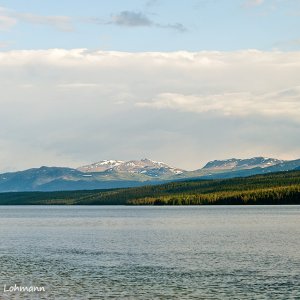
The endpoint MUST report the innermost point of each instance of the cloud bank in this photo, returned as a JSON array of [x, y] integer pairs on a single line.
[[279, 103], [76, 106]]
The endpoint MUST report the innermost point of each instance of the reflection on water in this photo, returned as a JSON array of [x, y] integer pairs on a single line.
[[151, 252]]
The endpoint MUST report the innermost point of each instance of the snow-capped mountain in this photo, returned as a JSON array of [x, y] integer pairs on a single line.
[[109, 174], [101, 166], [145, 166], [242, 164]]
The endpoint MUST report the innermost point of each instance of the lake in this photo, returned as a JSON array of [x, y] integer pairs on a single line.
[[128, 252]]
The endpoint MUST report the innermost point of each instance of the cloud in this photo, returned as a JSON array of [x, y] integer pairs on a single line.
[[252, 3], [4, 44], [137, 19], [280, 103], [288, 44], [151, 3], [131, 19], [199, 4], [177, 26], [9, 18], [78, 85], [6, 21], [68, 107], [62, 23]]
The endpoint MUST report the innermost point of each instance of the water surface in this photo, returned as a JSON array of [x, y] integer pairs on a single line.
[[109, 252]]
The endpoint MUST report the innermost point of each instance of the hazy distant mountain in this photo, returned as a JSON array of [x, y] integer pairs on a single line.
[[33, 179], [241, 164], [284, 166], [108, 174], [55, 178], [245, 167]]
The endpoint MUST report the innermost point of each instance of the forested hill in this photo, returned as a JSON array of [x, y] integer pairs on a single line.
[[275, 188]]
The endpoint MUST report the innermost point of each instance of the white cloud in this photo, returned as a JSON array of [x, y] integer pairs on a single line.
[[282, 103], [6, 22], [88, 105]]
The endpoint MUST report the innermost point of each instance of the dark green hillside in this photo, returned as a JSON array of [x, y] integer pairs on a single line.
[[274, 188]]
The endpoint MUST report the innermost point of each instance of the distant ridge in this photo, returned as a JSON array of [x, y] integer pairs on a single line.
[[237, 164], [107, 174]]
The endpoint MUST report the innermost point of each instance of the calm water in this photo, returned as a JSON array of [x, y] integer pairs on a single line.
[[151, 252]]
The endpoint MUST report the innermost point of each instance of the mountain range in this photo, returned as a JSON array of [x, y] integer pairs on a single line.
[[107, 174]]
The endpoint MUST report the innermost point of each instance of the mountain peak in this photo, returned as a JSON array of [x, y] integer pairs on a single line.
[[237, 163], [144, 166], [100, 166], [153, 162]]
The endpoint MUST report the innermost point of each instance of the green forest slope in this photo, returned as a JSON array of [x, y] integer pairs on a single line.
[[274, 188]]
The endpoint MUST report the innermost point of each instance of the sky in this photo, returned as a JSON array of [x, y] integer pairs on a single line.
[[183, 82]]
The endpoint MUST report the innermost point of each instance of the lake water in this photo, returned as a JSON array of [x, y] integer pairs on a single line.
[[117, 252]]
